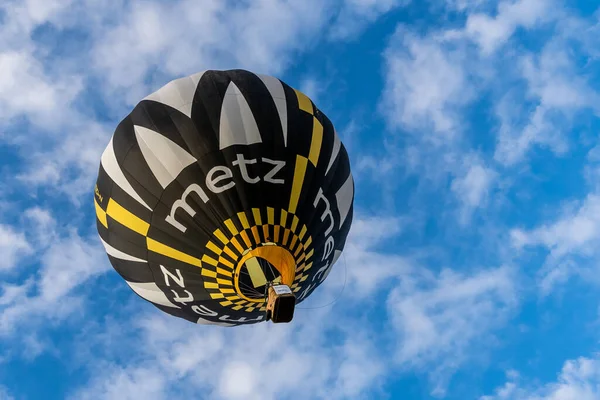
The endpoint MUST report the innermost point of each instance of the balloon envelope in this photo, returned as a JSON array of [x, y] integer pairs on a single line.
[[217, 184]]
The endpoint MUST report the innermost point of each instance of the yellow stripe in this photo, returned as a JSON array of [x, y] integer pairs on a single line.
[[226, 290], [308, 242], [309, 266], [221, 236], [225, 262], [230, 253], [211, 285], [225, 303], [284, 215], [170, 252], [286, 236], [309, 255], [223, 282], [315, 144], [237, 245], [217, 295], [295, 221], [302, 232], [256, 214], [255, 234], [231, 227], [302, 256], [294, 240], [209, 273], [257, 276], [250, 309], [222, 271], [277, 228], [300, 170], [271, 215], [298, 250], [304, 102], [246, 238], [237, 308], [214, 248], [126, 218], [266, 231], [243, 220], [210, 260], [101, 214]]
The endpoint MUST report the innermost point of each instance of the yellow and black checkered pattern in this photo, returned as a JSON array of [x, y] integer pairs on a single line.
[[306, 105], [228, 246]]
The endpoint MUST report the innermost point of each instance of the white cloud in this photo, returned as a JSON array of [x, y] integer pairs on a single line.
[[258, 362], [183, 38], [578, 380], [5, 394], [558, 92], [441, 320], [354, 15], [472, 187], [426, 85], [66, 261], [490, 33], [576, 233], [269, 361], [14, 247]]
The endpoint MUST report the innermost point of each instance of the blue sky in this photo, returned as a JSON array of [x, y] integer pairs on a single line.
[[472, 266]]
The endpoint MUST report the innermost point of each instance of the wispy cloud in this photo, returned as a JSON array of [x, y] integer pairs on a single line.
[[66, 260], [13, 247], [355, 15], [570, 239], [579, 379], [441, 320]]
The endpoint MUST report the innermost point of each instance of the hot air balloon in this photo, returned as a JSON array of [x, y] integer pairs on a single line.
[[224, 198]]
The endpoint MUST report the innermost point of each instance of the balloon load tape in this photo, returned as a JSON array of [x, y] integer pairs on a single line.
[[281, 303]]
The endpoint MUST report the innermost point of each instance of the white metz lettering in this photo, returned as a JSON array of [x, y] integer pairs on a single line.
[[327, 212], [323, 270], [211, 181], [182, 203], [242, 162], [329, 244], [278, 165], [306, 291], [218, 180], [168, 274], [204, 311], [242, 319], [189, 298], [179, 281]]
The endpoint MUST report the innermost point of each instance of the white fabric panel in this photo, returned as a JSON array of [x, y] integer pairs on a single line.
[[237, 124], [276, 89], [334, 152], [178, 93], [151, 292], [344, 198], [111, 166], [164, 157], [119, 254]]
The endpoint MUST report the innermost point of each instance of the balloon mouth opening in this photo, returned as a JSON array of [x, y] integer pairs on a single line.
[[254, 275], [260, 267]]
